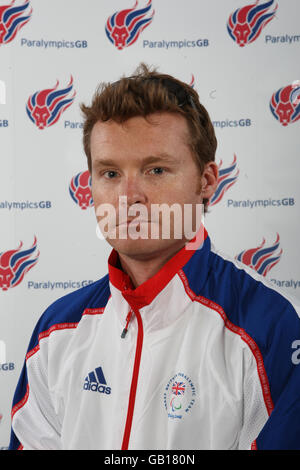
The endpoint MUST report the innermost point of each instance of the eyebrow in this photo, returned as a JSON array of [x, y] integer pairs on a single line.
[[163, 157]]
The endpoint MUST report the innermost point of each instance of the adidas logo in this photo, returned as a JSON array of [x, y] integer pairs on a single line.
[[95, 382]]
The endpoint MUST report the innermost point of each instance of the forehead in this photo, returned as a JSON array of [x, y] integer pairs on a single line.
[[164, 130]]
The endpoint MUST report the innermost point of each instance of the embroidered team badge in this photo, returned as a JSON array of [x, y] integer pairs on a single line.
[[179, 396]]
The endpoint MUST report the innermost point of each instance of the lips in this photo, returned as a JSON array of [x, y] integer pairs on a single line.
[[134, 221]]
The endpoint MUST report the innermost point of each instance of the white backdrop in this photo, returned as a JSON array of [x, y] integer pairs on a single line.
[[198, 41]]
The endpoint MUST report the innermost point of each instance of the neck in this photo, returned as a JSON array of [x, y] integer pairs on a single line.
[[142, 268]]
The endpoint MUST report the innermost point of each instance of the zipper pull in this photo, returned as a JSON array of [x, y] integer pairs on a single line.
[[124, 332]]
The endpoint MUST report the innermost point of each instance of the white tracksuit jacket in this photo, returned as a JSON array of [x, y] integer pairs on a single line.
[[206, 363]]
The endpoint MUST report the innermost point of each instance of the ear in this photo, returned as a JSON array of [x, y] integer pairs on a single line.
[[209, 180]]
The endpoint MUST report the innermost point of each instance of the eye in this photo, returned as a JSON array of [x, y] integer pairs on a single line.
[[110, 174], [157, 170]]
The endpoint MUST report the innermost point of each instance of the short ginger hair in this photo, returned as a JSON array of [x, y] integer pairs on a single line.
[[147, 92]]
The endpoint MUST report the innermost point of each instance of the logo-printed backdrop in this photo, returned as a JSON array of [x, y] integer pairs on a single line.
[[241, 57]]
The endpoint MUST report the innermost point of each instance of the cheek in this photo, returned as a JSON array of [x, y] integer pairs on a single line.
[[99, 196], [99, 192], [185, 191], [96, 196], [105, 202]]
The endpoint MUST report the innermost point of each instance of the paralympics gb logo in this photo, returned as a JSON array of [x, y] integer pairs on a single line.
[[45, 107], [14, 264], [285, 104], [12, 19], [262, 259], [124, 27], [226, 179], [245, 24], [80, 190]]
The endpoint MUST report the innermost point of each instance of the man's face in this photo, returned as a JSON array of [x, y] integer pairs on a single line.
[[147, 162]]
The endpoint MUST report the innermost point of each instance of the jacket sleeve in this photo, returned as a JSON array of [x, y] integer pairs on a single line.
[[38, 405], [282, 362], [272, 381], [35, 425]]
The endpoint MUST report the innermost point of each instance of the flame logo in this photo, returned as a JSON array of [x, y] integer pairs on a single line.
[[226, 179], [14, 264], [192, 82], [12, 20], [245, 24], [124, 27], [80, 190], [45, 107], [285, 104], [261, 258]]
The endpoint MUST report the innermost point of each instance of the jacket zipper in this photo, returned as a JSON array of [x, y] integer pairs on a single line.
[[135, 375], [128, 318]]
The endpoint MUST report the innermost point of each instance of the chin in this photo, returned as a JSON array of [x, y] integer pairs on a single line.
[[143, 248]]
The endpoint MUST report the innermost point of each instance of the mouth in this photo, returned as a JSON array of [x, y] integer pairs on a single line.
[[134, 222]]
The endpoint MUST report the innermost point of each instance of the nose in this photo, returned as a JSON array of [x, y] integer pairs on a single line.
[[134, 191]]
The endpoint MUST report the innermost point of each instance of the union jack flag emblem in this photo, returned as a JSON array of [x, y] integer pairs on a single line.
[[178, 388]]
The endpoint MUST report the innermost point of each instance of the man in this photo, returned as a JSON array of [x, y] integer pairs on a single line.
[[177, 347]]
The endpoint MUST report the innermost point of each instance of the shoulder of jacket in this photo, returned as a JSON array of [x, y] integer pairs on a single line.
[[244, 299], [250, 300], [68, 310], [255, 283]]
